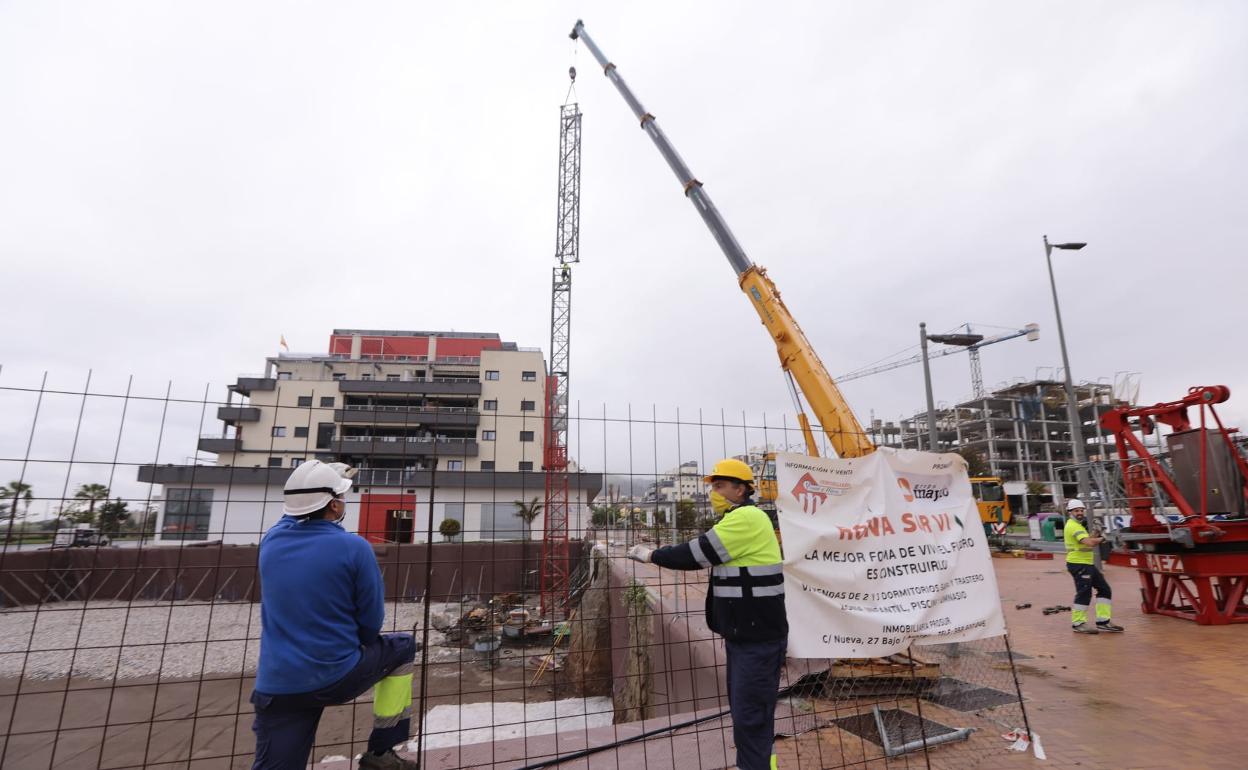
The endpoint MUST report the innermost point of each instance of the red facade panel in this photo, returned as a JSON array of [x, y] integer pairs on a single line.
[[412, 346], [380, 346], [387, 518], [452, 346]]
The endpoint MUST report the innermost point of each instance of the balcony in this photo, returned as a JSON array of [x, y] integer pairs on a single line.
[[404, 446], [218, 444], [248, 383], [231, 415], [457, 361], [441, 416], [438, 387]]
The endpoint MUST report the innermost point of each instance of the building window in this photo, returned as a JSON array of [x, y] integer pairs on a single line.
[[275, 462], [528, 376], [526, 435], [340, 375], [526, 465], [491, 374], [187, 514], [301, 432], [295, 462], [454, 465], [366, 376], [487, 465], [327, 401], [283, 375], [527, 406], [304, 401], [490, 404], [487, 435], [279, 431], [392, 378]]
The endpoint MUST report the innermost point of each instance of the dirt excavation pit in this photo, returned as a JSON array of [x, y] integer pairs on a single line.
[[110, 684]]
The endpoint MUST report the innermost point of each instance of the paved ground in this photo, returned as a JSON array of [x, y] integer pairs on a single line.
[[1156, 696]]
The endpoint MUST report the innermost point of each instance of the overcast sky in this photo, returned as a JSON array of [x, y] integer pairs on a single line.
[[182, 183]]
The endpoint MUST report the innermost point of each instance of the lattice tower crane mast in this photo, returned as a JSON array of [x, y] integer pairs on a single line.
[[797, 356], [554, 565]]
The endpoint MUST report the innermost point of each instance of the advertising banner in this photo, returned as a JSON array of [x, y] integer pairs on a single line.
[[882, 551]]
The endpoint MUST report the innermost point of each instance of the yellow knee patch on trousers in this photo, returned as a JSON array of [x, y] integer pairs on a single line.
[[392, 696], [1103, 611]]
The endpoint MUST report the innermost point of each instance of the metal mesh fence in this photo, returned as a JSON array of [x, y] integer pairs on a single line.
[[130, 629]]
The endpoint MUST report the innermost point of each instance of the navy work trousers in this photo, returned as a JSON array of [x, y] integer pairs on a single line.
[[1088, 577], [753, 684], [285, 725]]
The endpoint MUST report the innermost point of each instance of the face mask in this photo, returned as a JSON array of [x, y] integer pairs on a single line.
[[719, 503]]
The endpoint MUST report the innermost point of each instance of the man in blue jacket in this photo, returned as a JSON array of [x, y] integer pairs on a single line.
[[321, 611]]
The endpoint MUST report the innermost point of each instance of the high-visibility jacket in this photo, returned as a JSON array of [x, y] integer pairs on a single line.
[[1074, 534], [745, 602]]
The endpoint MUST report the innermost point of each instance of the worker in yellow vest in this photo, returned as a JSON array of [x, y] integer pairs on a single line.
[[744, 605], [1080, 565]]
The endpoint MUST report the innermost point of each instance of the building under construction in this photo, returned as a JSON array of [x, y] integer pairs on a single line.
[[1021, 431]]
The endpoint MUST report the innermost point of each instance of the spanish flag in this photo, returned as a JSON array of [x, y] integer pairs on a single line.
[[283, 343]]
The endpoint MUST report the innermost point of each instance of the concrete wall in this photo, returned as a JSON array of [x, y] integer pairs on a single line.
[[687, 661]]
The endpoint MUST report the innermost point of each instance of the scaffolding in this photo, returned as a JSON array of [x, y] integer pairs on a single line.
[[1021, 431]]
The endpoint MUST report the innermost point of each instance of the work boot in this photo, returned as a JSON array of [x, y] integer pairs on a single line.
[[1079, 628], [1105, 625], [387, 761]]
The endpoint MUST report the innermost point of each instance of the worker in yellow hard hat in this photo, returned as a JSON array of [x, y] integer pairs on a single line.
[[745, 605]]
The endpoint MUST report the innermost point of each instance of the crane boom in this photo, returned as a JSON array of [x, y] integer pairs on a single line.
[[797, 357], [1029, 330]]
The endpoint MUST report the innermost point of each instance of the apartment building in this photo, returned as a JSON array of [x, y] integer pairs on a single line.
[[441, 425], [390, 401], [683, 482]]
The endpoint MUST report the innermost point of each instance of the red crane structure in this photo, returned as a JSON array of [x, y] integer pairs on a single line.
[[1193, 564]]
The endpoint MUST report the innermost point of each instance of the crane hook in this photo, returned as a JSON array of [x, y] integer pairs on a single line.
[[572, 74]]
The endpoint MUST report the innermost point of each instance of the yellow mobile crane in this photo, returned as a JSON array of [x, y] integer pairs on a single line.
[[797, 357]]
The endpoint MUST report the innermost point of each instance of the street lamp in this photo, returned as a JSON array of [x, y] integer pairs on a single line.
[[1072, 409], [961, 340]]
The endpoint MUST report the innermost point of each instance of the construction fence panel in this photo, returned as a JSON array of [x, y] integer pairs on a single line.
[[130, 598]]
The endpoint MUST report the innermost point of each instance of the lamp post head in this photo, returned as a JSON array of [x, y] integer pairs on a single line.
[[1069, 246]]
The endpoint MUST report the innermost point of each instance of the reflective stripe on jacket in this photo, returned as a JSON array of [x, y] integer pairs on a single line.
[[745, 598]]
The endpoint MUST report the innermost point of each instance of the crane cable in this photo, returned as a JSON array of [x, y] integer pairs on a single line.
[[568, 97]]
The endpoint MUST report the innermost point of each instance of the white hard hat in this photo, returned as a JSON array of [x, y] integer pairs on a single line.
[[313, 484], [1074, 503]]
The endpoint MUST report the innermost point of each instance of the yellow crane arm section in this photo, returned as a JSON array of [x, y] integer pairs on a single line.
[[798, 358]]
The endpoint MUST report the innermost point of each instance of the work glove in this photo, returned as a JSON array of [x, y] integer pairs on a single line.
[[640, 553]]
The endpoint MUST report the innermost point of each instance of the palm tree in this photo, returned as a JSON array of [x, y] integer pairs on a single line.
[[527, 512], [18, 491], [92, 493]]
